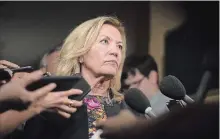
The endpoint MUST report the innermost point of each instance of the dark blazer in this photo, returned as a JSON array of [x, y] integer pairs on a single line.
[[53, 126]]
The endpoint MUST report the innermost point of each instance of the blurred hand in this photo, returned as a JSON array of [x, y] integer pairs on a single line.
[[121, 126], [57, 102], [116, 124], [2, 82], [20, 75], [15, 89], [7, 64], [41, 99]]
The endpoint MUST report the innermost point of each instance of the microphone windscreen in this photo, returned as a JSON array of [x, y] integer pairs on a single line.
[[136, 100], [172, 87]]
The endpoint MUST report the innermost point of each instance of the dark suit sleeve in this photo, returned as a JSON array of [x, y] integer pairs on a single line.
[[54, 126], [38, 128]]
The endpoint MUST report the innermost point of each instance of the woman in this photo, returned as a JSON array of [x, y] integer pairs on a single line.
[[95, 49]]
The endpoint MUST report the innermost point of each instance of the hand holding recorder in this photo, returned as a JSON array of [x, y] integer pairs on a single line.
[[41, 98], [9, 70]]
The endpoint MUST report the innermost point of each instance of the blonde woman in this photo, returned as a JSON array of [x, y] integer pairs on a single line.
[[96, 50]]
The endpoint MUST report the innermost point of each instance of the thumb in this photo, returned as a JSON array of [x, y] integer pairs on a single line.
[[100, 123], [32, 77]]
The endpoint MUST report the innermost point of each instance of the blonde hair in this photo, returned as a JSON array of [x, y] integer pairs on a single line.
[[80, 41]]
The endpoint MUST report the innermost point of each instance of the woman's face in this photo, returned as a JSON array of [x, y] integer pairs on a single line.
[[104, 58]]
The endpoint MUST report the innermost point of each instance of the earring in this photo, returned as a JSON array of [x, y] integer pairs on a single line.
[[81, 60]]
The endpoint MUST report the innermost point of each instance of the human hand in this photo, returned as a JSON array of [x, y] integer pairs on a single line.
[[117, 124], [7, 64], [57, 102], [15, 89]]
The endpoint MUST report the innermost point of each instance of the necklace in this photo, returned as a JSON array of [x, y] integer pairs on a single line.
[[104, 99]]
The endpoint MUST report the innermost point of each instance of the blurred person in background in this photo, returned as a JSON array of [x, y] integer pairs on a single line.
[[141, 72], [49, 61]]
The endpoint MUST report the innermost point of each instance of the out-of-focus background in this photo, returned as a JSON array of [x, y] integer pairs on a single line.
[[183, 37]]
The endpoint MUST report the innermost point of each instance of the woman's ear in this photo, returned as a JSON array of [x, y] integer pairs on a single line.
[[153, 77]]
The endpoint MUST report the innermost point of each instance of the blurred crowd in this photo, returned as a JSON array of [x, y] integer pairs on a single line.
[[198, 120]]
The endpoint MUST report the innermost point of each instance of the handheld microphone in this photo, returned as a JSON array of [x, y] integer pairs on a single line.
[[209, 65], [6, 73], [203, 86], [139, 102], [172, 87]]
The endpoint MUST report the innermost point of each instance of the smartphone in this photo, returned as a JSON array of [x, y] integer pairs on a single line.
[[64, 83], [23, 69]]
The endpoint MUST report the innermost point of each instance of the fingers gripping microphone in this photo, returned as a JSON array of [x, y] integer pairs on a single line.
[[172, 87], [139, 102]]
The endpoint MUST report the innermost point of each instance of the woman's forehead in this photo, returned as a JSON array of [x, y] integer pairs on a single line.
[[111, 32]]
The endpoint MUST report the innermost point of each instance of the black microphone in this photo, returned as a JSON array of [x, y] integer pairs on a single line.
[[6, 73], [172, 87], [210, 67], [139, 102]]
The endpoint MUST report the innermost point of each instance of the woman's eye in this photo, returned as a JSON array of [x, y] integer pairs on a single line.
[[120, 47], [104, 41]]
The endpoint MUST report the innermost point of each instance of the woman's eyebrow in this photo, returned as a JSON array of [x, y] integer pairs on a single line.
[[110, 38]]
